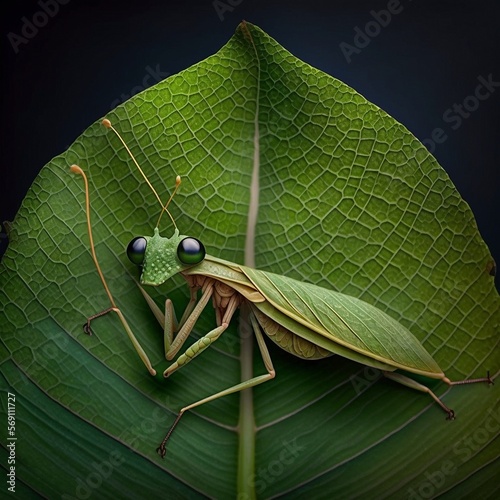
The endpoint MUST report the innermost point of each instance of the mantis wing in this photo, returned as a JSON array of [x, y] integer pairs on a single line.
[[322, 343], [348, 321], [233, 275]]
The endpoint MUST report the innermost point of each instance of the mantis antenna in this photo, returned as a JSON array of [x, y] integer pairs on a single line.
[[77, 170], [165, 208], [107, 124]]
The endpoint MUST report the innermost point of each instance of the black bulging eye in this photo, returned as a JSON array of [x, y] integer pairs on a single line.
[[136, 250], [191, 251]]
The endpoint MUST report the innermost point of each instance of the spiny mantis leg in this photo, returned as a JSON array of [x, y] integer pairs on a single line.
[[193, 291], [200, 345], [408, 382], [235, 388], [168, 321], [189, 317], [188, 321], [471, 380]]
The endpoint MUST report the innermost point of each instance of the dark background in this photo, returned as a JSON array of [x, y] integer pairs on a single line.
[[92, 55]]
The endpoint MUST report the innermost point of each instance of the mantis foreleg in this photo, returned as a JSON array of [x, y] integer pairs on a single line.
[[188, 321], [168, 321], [199, 346], [235, 388]]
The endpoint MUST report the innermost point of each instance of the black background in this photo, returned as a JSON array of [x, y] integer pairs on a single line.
[[92, 55]]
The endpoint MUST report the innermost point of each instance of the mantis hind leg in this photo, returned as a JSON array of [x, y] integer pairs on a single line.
[[408, 382], [235, 388]]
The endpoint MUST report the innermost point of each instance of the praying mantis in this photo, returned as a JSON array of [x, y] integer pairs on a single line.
[[305, 320]]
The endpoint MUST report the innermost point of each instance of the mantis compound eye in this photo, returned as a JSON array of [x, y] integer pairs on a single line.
[[136, 250], [191, 251]]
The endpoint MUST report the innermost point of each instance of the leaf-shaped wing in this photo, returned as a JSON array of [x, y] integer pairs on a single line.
[[351, 322]]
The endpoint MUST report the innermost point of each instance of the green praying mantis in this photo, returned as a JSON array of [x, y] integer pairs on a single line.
[[303, 319]]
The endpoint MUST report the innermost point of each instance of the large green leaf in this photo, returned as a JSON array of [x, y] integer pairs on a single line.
[[348, 199]]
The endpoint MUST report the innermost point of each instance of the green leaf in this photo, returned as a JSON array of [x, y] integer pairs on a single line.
[[347, 198]]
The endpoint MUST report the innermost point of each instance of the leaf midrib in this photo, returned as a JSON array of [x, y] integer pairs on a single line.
[[246, 423]]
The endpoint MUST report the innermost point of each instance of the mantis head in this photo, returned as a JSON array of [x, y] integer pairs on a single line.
[[161, 258]]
